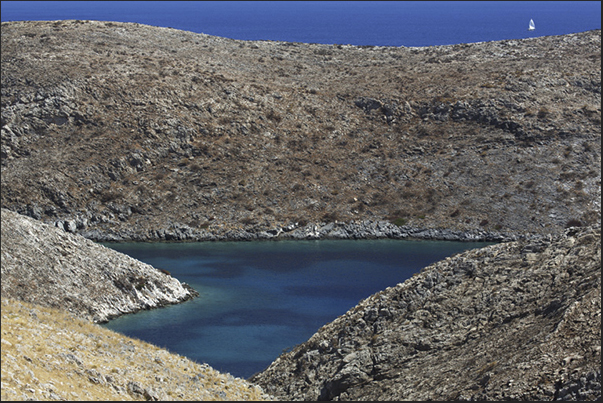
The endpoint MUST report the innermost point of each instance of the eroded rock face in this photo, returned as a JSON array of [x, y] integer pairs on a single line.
[[519, 320], [48, 266]]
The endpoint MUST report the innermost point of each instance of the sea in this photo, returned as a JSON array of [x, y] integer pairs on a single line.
[[260, 298], [376, 23]]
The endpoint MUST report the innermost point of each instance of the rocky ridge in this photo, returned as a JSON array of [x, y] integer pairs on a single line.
[[130, 132], [48, 266], [511, 321]]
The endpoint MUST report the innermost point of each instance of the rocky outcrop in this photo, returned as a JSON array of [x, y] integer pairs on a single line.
[[512, 321], [368, 229], [45, 265], [126, 131]]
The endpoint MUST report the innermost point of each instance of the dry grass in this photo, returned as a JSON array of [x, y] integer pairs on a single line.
[[50, 355]]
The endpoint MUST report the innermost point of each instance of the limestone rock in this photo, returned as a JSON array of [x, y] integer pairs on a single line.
[[46, 265]]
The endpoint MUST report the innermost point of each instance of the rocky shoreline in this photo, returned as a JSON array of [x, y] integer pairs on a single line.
[[511, 321], [45, 265], [366, 229]]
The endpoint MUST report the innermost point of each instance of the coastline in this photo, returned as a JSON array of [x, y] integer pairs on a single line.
[[471, 140], [366, 229]]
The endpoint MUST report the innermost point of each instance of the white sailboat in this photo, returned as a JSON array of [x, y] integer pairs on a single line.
[[532, 26]]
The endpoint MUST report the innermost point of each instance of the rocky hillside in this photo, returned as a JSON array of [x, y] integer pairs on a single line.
[[512, 321], [53, 284], [48, 266], [48, 354], [126, 131]]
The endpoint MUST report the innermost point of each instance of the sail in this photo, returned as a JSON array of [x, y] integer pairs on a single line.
[[532, 26]]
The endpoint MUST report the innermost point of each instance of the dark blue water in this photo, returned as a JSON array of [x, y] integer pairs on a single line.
[[384, 23], [259, 298]]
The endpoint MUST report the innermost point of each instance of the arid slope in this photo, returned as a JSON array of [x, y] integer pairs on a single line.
[[511, 321], [48, 354], [137, 132]]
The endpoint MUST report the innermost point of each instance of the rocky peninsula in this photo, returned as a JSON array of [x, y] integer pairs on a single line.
[[48, 266], [512, 321]]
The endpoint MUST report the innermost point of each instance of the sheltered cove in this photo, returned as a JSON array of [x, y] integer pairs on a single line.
[[120, 131]]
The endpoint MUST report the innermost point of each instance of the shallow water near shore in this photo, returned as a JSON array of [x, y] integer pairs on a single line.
[[260, 298]]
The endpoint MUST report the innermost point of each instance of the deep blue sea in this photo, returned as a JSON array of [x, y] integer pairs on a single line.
[[380, 23], [260, 298]]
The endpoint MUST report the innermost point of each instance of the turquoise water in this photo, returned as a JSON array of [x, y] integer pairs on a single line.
[[260, 298]]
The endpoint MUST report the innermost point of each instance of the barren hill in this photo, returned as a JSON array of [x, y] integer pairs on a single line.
[[512, 321], [126, 131]]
